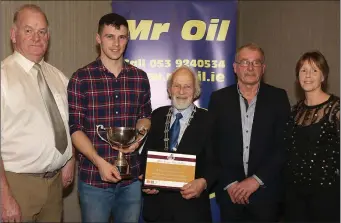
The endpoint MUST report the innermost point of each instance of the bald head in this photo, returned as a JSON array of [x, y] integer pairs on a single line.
[[30, 7]]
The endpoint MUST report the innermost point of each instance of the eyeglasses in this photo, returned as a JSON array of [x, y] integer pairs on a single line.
[[246, 63]]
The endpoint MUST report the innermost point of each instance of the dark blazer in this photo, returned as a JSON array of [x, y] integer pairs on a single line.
[[194, 141], [267, 152]]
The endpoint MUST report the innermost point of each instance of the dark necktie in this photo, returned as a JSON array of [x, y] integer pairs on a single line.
[[174, 132], [52, 109]]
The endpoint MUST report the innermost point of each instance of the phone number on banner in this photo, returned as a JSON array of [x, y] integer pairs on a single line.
[[157, 63], [190, 63]]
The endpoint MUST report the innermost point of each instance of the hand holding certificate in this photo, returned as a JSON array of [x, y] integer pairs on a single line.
[[169, 170], [193, 189]]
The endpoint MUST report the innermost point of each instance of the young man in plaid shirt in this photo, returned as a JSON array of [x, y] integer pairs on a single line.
[[112, 93]]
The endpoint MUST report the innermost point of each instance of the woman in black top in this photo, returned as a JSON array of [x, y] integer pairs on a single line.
[[313, 146]]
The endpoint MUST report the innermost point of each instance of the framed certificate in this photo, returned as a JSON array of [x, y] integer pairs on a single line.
[[168, 170]]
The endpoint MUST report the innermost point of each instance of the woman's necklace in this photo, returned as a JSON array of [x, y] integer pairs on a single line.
[[168, 121]]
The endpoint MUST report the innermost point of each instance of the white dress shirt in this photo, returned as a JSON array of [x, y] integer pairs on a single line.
[[27, 138]]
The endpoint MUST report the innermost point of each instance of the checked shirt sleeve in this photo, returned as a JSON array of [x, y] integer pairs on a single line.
[[77, 102], [146, 107]]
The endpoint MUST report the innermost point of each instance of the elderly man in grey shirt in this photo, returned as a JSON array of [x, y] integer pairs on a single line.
[[248, 121]]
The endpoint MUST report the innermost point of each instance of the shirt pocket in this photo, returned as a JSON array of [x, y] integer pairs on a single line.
[[62, 105]]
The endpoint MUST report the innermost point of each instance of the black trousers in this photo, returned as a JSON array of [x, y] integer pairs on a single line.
[[304, 204], [171, 207], [260, 212]]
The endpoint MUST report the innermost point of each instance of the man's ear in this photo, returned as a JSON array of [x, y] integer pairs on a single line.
[[263, 67], [234, 67], [98, 38], [13, 33], [48, 35]]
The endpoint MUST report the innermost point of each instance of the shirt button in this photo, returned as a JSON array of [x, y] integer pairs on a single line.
[[116, 96], [247, 131], [246, 147], [247, 116], [116, 112]]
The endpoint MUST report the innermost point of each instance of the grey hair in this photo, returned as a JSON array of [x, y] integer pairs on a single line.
[[197, 87], [32, 7], [251, 46]]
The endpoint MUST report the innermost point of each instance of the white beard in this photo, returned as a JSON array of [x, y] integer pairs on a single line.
[[181, 104]]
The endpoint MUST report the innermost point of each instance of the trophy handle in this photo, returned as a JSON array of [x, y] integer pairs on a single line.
[[102, 128], [144, 135]]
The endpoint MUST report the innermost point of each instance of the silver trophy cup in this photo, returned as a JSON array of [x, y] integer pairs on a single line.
[[121, 137]]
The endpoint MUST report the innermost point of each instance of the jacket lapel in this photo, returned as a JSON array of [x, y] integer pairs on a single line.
[[236, 118], [186, 144]]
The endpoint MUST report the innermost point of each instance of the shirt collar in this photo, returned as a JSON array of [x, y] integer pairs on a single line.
[[25, 63], [125, 66], [240, 93], [185, 113]]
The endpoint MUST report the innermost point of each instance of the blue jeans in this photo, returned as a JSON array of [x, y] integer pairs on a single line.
[[97, 204]]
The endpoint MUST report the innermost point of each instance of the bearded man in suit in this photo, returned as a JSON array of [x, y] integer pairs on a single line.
[[191, 203]]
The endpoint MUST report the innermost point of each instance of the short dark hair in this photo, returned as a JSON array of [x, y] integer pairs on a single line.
[[317, 58], [112, 19]]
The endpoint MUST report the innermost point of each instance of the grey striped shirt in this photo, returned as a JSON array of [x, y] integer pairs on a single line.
[[247, 112]]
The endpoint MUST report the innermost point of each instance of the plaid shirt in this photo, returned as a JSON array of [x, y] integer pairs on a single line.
[[97, 97]]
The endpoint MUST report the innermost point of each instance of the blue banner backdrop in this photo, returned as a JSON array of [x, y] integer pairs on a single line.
[[167, 34]]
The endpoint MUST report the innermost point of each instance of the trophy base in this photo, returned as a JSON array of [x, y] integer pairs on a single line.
[[126, 176], [124, 172]]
